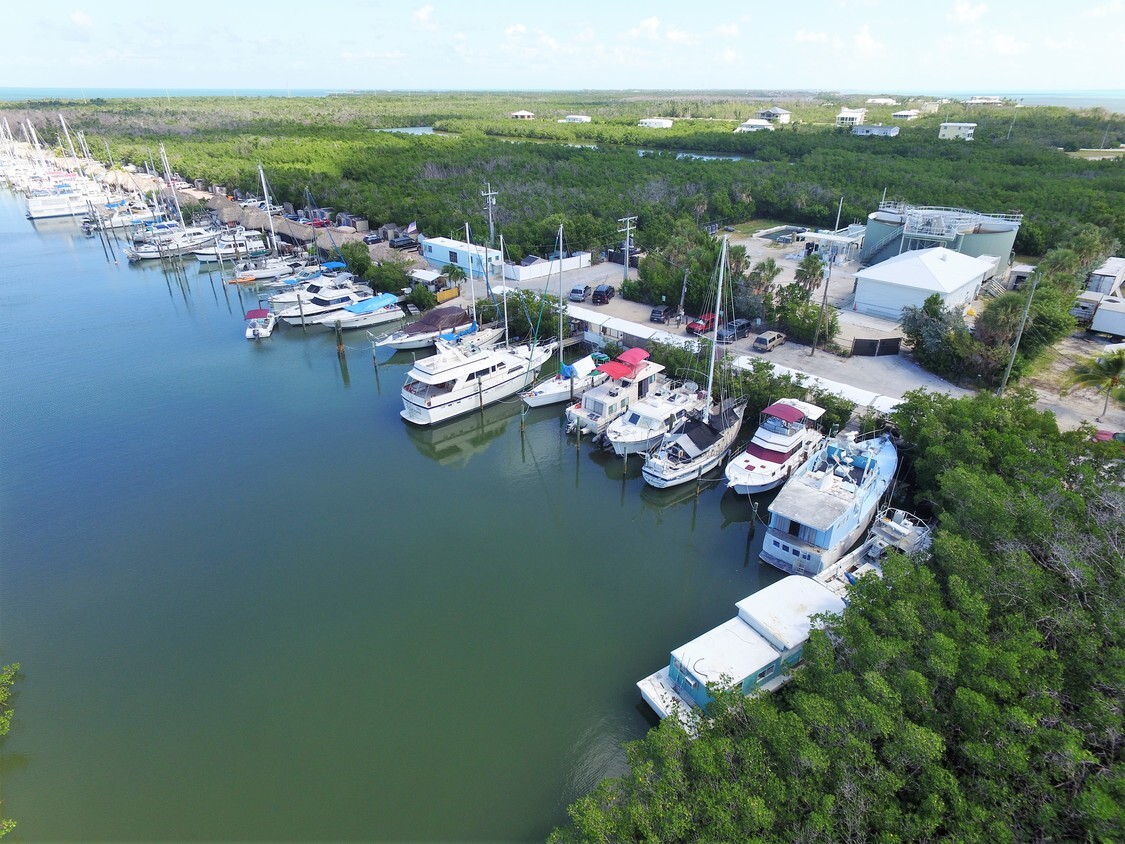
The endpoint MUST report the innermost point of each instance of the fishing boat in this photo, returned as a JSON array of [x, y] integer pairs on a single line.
[[786, 436], [892, 528], [310, 283], [260, 323], [663, 411], [375, 310], [699, 445], [462, 378], [630, 377], [828, 502], [269, 267], [572, 381], [425, 331], [322, 305]]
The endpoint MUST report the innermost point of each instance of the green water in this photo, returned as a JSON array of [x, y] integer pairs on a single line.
[[252, 604]]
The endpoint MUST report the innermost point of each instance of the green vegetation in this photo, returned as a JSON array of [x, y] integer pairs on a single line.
[[8, 675], [944, 345], [975, 696], [797, 173], [1105, 373]]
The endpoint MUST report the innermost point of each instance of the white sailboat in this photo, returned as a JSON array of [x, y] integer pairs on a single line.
[[701, 444]]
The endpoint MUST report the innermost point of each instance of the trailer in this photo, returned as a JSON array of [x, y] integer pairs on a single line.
[[1109, 318]]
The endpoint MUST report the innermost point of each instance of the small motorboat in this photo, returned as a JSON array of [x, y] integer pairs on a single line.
[[260, 323]]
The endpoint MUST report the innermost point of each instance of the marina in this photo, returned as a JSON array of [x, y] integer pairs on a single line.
[[204, 598]]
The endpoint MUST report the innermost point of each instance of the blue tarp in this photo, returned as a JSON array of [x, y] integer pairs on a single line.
[[567, 371], [375, 303], [334, 265], [451, 336]]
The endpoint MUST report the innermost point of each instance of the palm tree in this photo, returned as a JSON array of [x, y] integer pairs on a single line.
[[1104, 373], [810, 272], [454, 273], [763, 274]]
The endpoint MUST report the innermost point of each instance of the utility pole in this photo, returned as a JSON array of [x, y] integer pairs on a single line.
[[628, 232], [489, 201], [839, 210], [1019, 333]]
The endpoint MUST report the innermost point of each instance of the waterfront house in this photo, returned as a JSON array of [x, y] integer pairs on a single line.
[[956, 131], [775, 115], [851, 116]]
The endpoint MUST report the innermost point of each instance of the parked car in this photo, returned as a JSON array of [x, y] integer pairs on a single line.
[[403, 242], [769, 340], [702, 325], [372, 238], [317, 223], [603, 293], [580, 293], [660, 313], [736, 329]]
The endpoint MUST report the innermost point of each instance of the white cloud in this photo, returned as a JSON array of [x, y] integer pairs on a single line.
[[1007, 45], [729, 56], [515, 30], [586, 34], [81, 20], [965, 12], [648, 28], [549, 42], [727, 30], [422, 17], [682, 36], [865, 42], [1113, 7], [803, 36], [1067, 43]]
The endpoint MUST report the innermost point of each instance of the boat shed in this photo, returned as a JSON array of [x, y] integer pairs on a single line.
[[909, 278]]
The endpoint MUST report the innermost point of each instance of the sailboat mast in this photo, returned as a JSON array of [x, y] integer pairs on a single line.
[[472, 283], [505, 297], [269, 214], [562, 307], [172, 187], [715, 336]]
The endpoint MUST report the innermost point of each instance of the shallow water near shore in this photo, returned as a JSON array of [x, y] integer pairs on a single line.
[[251, 603]]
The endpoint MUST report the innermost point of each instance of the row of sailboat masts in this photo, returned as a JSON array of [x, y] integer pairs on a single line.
[[171, 186], [269, 212]]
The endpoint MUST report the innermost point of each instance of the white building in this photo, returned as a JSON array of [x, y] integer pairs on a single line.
[[851, 116], [984, 101], [956, 131], [522, 115], [930, 108], [755, 124], [440, 251], [656, 123], [775, 115], [576, 118], [906, 114], [881, 101], [911, 277], [877, 130]]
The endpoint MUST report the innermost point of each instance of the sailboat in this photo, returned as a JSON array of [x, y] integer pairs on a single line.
[[572, 380], [700, 444]]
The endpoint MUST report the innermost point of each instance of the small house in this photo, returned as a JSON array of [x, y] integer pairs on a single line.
[[956, 131], [576, 118], [656, 123], [851, 116], [775, 115], [522, 115], [1107, 278], [878, 131], [755, 124], [909, 278], [906, 114]]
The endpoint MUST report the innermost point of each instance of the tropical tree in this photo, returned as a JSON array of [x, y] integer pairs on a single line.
[[454, 273], [810, 272], [763, 274], [8, 676], [1104, 373]]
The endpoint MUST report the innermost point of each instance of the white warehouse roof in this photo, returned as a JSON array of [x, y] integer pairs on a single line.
[[938, 270]]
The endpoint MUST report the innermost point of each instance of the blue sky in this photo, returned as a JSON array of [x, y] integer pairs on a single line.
[[864, 45]]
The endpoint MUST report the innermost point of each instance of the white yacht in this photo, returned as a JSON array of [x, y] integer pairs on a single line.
[[322, 305], [310, 282], [786, 436], [177, 243], [664, 410], [374, 310], [234, 245], [462, 378], [631, 376]]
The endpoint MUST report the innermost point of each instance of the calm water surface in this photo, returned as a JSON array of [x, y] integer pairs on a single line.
[[251, 603]]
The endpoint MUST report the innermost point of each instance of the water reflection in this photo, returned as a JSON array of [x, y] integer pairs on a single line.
[[458, 441]]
